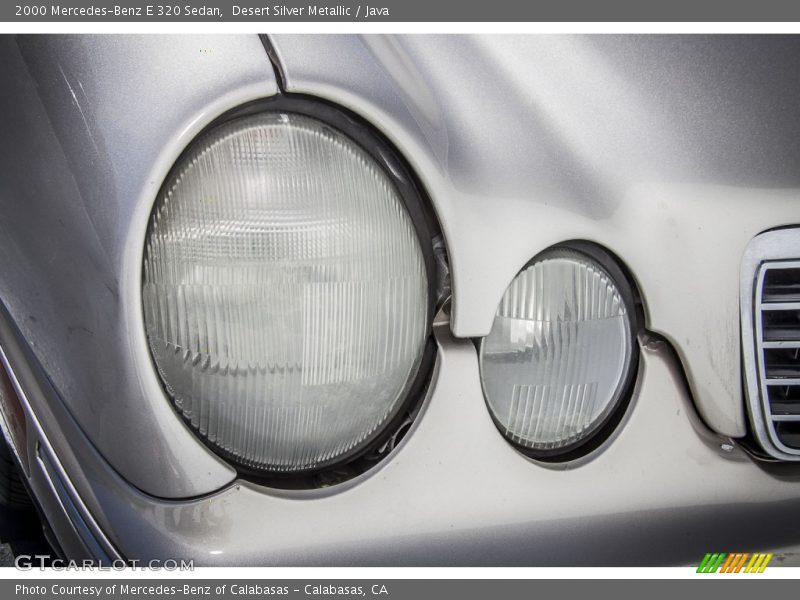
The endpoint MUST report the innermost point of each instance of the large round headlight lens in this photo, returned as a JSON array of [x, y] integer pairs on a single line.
[[558, 359], [285, 292]]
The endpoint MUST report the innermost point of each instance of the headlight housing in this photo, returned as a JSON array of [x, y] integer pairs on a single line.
[[286, 291], [562, 352]]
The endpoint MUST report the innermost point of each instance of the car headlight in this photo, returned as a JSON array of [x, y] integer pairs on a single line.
[[285, 292], [560, 354]]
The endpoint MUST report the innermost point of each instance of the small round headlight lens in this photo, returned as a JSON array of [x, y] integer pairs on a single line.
[[557, 361], [285, 292]]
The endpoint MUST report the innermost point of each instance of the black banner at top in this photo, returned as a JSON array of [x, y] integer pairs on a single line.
[[265, 11]]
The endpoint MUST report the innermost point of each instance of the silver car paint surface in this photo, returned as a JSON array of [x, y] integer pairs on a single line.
[[672, 152], [658, 147], [661, 492], [98, 122]]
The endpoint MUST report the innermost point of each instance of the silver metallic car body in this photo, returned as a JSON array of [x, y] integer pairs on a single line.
[[103, 119], [672, 152]]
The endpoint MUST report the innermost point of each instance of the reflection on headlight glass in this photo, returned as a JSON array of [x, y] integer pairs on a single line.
[[555, 361], [285, 293]]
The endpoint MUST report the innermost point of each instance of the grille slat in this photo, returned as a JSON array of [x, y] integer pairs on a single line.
[[781, 283], [782, 363], [782, 344], [783, 399], [780, 325], [783, 382], [769, 299], [777, 321], [780, 305], [783, 295]]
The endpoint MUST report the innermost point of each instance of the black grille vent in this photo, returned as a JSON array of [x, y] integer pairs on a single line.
[[778, 342]]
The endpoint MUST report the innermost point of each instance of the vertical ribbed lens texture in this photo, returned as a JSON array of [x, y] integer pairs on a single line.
[[556, 360], [285, 293]]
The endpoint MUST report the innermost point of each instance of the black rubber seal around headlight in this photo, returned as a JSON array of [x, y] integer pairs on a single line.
[[420, 211]]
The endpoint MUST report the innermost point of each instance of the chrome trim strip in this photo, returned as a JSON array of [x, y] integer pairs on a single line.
[[58, 478], [94, 543], [779, 249], [5, 429]]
